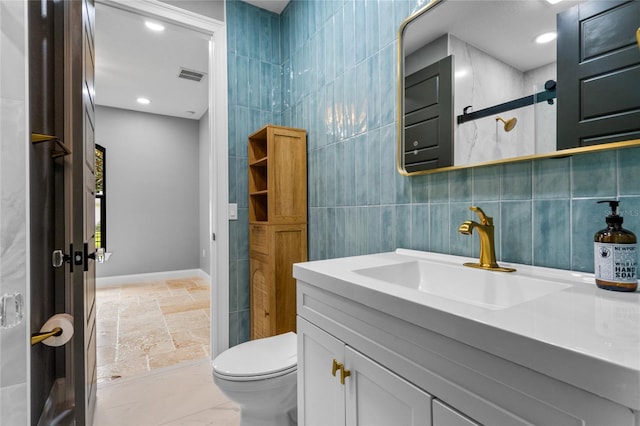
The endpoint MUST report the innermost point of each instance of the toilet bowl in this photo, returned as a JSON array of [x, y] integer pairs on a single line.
[[260, 376]]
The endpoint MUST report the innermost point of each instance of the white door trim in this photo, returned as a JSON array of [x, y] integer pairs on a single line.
[[218, 160]]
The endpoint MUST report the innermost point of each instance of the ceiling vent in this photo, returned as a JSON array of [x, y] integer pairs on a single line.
[[191, 74]]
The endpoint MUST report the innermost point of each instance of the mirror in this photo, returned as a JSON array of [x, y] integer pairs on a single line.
[[502, 102]]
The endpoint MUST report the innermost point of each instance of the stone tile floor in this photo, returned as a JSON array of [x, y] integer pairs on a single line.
[[154, 365], [182, 394], [151, 325]]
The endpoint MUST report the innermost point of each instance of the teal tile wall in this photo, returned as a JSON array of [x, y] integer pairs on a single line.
[[337, 79], [255, 99]]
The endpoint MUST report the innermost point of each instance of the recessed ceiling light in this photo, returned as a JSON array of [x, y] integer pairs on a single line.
[[154, 26], [554, 1], [546, 37], [143, 101]]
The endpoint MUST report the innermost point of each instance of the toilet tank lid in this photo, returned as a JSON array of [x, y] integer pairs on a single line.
[[258, 357]]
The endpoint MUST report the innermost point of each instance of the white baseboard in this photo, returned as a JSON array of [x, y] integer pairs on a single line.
[[148, 277]]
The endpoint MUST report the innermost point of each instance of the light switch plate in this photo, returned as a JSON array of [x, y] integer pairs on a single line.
[[233, 211]]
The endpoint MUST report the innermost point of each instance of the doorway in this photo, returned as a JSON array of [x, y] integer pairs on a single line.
[[216, 220], [153, 294]]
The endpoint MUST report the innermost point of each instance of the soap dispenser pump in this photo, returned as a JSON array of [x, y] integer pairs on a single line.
[[615, 254]]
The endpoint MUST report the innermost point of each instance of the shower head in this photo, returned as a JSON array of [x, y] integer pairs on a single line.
[[508, 124]]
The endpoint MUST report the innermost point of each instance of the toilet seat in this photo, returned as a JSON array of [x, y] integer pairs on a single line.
[[258, 359]]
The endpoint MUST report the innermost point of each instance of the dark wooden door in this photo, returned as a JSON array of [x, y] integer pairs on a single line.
[[47, 363], [428, 120], [79, 131], [63, 205], [50, 80], [598, 73]]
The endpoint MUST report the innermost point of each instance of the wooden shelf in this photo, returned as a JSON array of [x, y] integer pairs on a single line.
[[262, 162], [264, 192], [258, 147], [259, 207]]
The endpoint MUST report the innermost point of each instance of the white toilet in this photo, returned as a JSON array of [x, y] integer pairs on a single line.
[[260, 376]]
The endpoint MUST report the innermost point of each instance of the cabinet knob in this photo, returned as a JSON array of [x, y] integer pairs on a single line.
[[266, 313], [344, 373], [336, 366]]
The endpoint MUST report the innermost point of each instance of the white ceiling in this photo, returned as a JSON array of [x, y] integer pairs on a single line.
[[133, 61], [276, 6], [504, 29]]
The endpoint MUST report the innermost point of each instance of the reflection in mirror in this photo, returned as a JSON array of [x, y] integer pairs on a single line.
[[496, 60]]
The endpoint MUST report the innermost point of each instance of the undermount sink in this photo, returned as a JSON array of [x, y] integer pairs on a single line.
[[492, 290]]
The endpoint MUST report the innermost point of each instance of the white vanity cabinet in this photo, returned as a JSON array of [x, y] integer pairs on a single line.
[[404, 373], [342, 386]]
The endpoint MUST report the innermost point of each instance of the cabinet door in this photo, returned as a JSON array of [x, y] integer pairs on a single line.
[[262, 299], [444, 415], [320, 394], [258, 238], [376, 396], [289, 246], [287, 175]]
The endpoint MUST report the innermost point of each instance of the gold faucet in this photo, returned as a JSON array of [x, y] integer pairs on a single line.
[[487, 243]]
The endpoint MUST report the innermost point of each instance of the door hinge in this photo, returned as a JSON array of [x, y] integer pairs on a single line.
[[213, 236]]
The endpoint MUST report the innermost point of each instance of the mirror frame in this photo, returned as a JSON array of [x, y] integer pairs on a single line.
[[400, 118]]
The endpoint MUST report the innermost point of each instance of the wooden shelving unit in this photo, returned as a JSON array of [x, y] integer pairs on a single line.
[[277, 225]]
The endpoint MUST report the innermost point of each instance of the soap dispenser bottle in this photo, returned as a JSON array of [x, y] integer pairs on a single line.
[[615, 254]]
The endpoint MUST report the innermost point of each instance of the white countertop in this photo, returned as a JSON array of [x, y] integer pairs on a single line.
[[581, 335]]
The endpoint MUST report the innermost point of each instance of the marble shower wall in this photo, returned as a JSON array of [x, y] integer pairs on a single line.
[[14, 353], [544, 113], [483, 81]]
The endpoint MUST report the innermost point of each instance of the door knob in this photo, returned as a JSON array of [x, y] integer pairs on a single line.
[[11, 309], [97, 255], [59, 258]]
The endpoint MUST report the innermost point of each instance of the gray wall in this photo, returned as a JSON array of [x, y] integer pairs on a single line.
[[205, 230], [152, 181]]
